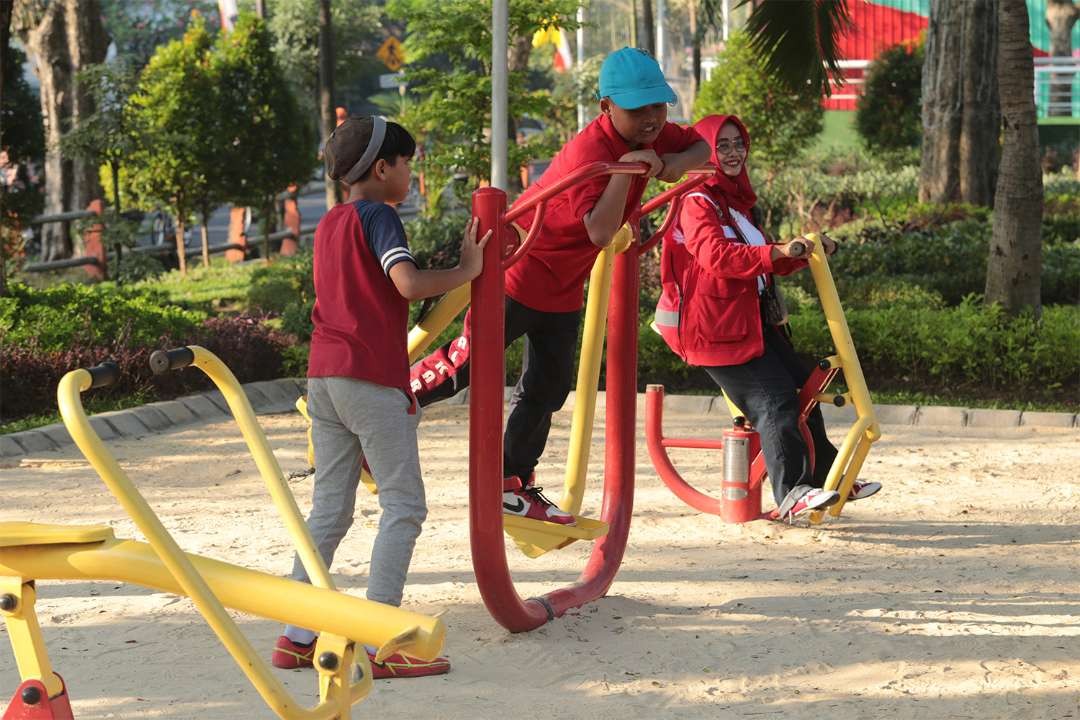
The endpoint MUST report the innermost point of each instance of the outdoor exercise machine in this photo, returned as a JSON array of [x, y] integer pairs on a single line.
[[32, 551], [744, 465], [614, 276]]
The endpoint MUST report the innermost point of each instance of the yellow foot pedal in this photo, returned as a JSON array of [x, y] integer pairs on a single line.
[[536, 537]]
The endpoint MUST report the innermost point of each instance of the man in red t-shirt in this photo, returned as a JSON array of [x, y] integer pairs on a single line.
[[545, 289]]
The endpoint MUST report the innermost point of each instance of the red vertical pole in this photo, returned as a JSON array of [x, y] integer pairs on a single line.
[[289, 246], [488, 373], [237, 235], [93, 245]]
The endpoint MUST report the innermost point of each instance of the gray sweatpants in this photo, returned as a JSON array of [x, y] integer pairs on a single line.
[[352, 420]]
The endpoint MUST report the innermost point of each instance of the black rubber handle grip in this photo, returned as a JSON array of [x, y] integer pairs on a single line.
[[104, 374], [162, 361], [797, 248]]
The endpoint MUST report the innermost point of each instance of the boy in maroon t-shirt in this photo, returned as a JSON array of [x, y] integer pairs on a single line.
[[359, 400], [545, 289]]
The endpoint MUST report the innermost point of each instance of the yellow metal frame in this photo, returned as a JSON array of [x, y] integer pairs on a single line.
[[535, 537], [29, 552], [865, 430]]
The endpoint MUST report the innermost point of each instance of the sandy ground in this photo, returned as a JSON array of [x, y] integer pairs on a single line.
[[952, 594]]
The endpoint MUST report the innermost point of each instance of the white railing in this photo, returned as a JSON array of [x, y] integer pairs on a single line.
[[1057, 86]]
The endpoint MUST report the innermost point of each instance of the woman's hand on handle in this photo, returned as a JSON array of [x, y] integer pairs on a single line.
[[797, 248]]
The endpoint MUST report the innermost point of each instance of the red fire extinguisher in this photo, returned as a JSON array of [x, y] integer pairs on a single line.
[[739, 500]]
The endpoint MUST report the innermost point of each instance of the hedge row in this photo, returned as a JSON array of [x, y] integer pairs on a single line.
[[46, 333]]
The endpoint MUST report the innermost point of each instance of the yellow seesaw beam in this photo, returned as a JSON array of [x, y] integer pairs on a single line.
[[184, 573], [257, 593]]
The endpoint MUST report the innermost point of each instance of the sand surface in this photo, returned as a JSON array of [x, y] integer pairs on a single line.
[[954, 593]]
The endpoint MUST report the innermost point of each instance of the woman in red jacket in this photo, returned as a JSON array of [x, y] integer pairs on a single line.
[[715, 312]]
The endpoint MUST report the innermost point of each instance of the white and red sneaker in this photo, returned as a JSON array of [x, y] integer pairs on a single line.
[[802, 499], [861, 490], [527, 500]]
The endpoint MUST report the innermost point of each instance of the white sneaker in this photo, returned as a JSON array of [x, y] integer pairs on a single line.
[[861, 490], [802, 499]]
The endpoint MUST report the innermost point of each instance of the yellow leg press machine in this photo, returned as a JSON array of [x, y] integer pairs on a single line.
[[30, 552]]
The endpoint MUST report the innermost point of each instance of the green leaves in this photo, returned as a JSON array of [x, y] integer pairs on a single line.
[[216, 122], [889, 113], [449, 72], [799, 40], [781, 121]]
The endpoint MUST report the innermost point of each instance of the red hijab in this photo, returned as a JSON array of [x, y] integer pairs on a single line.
[[736, 192]]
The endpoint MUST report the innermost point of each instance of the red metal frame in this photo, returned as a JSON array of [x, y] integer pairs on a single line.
[[486, 404], [43, 708], [821, 377]]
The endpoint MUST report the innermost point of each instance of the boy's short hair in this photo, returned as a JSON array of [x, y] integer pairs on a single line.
[[350, 139]]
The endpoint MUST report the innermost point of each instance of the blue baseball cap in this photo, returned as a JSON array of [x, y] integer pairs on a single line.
[[633, 79]]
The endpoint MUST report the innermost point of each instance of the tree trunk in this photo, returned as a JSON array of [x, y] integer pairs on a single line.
[[62, 38], [960, 113], [204, 237], [1061, 15], [326, 90], [181, 251], [1015, 265], [6, 6]]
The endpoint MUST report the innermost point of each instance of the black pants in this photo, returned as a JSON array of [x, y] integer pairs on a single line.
[[767, 390], [546, 377]]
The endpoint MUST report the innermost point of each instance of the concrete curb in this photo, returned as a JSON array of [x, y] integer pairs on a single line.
[[268, 396], [276, 396]]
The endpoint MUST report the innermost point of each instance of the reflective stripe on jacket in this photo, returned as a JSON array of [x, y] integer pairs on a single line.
[[709, 312]]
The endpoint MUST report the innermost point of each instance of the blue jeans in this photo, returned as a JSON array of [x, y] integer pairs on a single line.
[[767, 390]]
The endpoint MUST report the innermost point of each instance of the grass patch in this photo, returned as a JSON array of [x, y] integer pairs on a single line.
[[221, 287]]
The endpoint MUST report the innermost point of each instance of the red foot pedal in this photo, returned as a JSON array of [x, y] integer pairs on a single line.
[[32, 702]]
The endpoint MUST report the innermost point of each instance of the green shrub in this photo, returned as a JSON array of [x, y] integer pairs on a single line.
[[286, 282], [1061, 218], [781, 123], [250, 348], [970, 349], [825, 189], [888, 113], [949, 260], [67, 315]]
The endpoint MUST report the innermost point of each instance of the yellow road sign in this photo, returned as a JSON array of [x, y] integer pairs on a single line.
[[392, 53]]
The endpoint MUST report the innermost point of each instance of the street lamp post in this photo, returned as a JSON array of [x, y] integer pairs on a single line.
[[499, 73]]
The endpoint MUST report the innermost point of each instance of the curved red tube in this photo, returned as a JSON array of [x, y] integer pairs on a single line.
[[485, 434]]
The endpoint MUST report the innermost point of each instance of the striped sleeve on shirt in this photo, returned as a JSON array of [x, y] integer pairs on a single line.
[[385, 235]]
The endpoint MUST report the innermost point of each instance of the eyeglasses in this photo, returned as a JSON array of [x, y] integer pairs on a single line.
[[727, 147]]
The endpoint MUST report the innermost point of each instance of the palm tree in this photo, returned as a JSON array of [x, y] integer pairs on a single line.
[[1015, 265], [799, 40]]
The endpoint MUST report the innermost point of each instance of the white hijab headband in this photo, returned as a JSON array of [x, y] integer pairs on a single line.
[[378, 132]]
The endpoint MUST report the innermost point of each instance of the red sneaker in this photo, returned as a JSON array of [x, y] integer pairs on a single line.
[[527, 500], [291, 656], [802, 499], [402, 666]]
